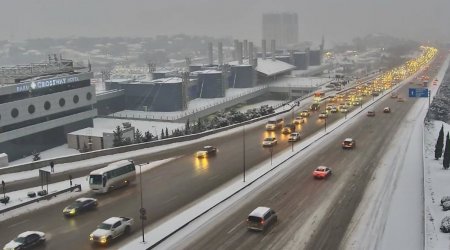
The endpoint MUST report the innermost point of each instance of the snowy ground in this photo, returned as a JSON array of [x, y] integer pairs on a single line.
[[194, 106], [199, 104], [391, 214], [110, 124], [273, 103], [20, 196], [437, 182]]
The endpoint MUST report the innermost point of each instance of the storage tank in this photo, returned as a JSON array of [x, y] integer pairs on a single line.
[[301, 60], [242, 76], [315, 57], [210, 84], [169, 95]]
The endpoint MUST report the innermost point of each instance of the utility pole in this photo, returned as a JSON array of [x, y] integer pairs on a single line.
[[243, 146]]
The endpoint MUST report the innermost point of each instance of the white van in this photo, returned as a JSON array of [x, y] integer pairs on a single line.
[[261, 218], [274, 123]]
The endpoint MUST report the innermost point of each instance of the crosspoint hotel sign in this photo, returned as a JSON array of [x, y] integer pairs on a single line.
[[39, 84]]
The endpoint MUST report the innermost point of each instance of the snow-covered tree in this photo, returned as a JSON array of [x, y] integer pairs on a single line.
[[118, 137], [138, 137], [446, 162], [439, 144]]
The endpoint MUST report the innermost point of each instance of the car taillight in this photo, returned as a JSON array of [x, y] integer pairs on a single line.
[[262, 222]]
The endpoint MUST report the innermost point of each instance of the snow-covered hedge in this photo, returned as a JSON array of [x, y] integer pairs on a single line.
[[445, 224]]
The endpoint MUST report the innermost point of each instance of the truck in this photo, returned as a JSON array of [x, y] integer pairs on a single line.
[[111, 229]]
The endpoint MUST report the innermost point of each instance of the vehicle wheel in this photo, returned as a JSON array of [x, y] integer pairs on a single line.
[[108, 240], [127, 230]]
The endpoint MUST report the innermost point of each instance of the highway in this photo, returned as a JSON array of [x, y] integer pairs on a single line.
[[312, 214], [167, 188], [176, 184]]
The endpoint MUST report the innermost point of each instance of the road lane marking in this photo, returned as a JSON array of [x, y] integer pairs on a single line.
[[171, 199], [18, 223], [234, 228], [213, 177]]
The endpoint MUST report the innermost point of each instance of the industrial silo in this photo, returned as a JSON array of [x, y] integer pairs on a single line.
[[315, 57], [170, 94], [210, 84], [242, 76], [301, 60]]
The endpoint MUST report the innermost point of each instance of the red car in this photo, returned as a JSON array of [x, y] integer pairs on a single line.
[[321, 172]]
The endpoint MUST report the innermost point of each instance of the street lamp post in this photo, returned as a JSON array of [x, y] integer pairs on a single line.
[[142, 210], [271, 154], [243, 146], [326, 124]]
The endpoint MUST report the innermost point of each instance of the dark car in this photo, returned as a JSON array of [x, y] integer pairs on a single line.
[[314, 107], [206, 151], [80, 205], [288, 128], [26, 240]]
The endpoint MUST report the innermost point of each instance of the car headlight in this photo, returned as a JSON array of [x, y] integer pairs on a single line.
[[103, 239], [72, 211], [91, 237]]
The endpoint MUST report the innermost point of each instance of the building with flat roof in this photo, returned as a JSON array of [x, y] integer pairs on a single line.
[[38, 108]]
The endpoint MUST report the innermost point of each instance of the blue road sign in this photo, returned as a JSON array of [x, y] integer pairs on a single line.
[[418, 92]]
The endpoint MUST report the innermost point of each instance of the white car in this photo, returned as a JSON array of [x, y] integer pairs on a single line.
[[269, 142], [111, 229], [323, 115], [294, 137], [26, 240]]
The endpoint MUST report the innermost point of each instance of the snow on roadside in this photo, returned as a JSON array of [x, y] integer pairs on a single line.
[[391, 213], [436, 186], [20, 196]]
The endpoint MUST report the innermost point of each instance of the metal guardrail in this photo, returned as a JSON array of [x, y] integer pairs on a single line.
[[45, 197]]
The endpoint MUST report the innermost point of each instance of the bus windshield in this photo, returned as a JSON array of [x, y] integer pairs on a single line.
[[95, 179]]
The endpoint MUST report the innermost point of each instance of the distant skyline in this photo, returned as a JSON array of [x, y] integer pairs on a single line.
[[339, 21]]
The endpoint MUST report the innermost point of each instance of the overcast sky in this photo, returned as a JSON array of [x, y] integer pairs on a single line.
[[338, 20]]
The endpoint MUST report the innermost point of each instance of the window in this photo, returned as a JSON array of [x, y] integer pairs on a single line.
[[95, 179], [89, 96], [31, 109], [117, 224], [14, 112], [76, 99], [62, 102], [47, 105]]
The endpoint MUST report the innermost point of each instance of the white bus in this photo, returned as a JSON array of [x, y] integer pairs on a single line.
[[115, 175]]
